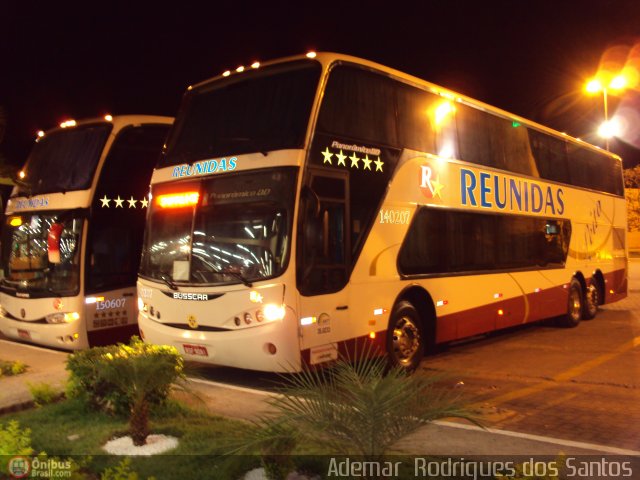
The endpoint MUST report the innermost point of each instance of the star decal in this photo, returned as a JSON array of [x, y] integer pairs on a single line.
[[143, 203], [119, 201], [105, 202], [327, 156], [367, 163], [379, 164], [354, 160], [341, 157], [132, 202], [437, 188]]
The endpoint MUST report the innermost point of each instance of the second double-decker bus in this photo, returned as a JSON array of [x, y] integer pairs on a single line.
[[310, 203], [73, 229]]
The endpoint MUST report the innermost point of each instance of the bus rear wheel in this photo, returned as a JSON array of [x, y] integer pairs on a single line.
[[591, 300], [405, 338], [575, 306]]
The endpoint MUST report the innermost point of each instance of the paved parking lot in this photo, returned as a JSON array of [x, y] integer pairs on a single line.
[[580, 384]]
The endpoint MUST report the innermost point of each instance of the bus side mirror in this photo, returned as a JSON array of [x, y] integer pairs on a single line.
[[53, 242]]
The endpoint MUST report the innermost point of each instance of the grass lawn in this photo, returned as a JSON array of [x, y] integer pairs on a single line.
[[68, 429]]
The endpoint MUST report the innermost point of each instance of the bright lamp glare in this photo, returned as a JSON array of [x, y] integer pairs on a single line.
[[619, 82], [593, 86], [609, 129]]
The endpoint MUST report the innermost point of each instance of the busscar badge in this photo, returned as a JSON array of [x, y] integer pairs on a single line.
[[193, 323]]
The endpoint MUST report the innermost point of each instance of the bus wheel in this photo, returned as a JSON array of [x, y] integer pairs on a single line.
[[591, 300], [575, 305], [405, 340]]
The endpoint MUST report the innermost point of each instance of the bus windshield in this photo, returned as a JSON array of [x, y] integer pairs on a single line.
[[239, 231], [64, 160], [257, 111], [33, 262]]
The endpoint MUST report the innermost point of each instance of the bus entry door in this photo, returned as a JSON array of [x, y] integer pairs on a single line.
[[324, 260]]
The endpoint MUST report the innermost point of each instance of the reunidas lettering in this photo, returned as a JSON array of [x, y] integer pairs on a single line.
[[205, 167], [489, 190]]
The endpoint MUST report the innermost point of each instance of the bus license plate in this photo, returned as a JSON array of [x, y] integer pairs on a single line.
[[198, 350], [24, 334]]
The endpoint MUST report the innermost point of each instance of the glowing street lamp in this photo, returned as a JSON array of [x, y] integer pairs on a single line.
[[615, 85]]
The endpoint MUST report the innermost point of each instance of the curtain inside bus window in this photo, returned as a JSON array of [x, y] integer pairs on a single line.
[[416, 127], [441, 242], [359, 105], [65, 160], [551, 156]]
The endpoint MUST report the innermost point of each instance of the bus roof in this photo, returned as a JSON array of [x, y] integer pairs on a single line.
[[118, 121], [329, 58]]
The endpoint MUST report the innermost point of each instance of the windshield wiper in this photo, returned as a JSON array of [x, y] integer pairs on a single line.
[[167, 280], [239, 276]]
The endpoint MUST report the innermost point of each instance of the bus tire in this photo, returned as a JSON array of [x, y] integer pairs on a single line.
[[405, 337], [591, 300], [575, 306]]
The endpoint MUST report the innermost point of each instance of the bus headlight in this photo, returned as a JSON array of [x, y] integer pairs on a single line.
[[62, 317], [273, 312], [142, 307]]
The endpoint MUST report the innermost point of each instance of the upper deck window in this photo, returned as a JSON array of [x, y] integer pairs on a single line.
[[257, 111], [65, 160]]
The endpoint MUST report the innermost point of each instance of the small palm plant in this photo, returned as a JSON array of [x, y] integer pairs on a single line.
[[144, 374], [359, 407]]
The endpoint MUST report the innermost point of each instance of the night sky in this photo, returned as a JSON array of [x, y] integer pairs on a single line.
[[529, 57]]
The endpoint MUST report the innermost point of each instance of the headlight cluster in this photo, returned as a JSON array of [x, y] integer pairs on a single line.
[[62, 317], [270, 312], [145, 308]]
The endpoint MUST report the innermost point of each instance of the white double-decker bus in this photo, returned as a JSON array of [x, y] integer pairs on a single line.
[[310, 203], [73, 231]]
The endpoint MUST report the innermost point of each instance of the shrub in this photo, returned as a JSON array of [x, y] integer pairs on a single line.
[[13, 441], [89, 381], [12, 368], [122, 471], [43, 393]]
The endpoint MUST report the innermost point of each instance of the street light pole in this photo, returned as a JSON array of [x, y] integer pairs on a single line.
[[595, 85]]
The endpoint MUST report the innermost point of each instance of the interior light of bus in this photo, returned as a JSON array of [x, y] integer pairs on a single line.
[[311, 54], [441, 303], [227, 73], [21, 174], [611, 292], [538, 290], [255, 65], [108, 118], [255, 296], [15, 221], [497, 295], [240, 69], [372, 335], [500, 312], [92, 300], [273, 312], [178, 200], [68, 123], [380, 311], [40, 133], [308, 321]]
